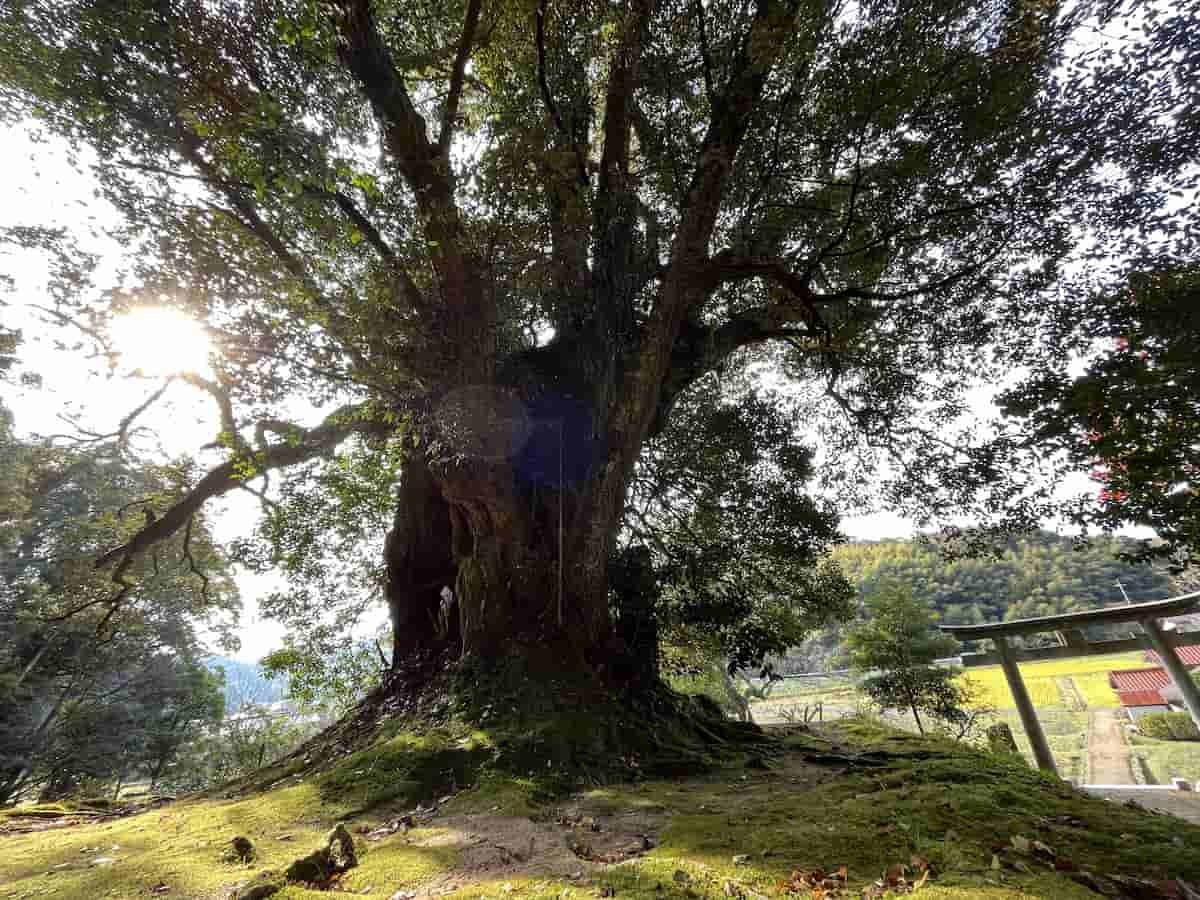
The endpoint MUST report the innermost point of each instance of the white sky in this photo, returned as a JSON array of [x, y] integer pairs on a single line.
[[42, 188]]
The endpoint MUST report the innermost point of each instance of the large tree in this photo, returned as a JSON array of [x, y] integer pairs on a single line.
[[508, 237]]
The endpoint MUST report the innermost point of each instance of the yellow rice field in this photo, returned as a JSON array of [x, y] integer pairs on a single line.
[[1089, 673]]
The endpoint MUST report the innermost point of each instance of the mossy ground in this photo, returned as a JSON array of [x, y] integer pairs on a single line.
[[505, 835]]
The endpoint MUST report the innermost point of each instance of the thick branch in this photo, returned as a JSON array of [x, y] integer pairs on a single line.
[[229, 475], [427, 171], [618, 105], [456, 76]]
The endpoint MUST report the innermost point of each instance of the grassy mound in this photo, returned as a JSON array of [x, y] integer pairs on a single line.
[[475, 722], [854, 795]]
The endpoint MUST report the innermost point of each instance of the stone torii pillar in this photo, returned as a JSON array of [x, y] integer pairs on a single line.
[[1164, 646], [1069, 627], [1025, 707]]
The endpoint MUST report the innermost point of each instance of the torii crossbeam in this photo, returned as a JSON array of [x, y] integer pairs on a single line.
[[1068, 626]]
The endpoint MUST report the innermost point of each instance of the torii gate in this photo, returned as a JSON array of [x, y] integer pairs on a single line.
[[1068, 626]]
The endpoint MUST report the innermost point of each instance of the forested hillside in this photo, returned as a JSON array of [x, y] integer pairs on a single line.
[[1039, 574]]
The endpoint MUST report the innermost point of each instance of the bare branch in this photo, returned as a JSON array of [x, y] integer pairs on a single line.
[[124, 427], [224, 405], [63, 319], [191, 560]]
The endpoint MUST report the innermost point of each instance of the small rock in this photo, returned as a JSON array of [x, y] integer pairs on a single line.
[[243, 849], [741, 859], [403, 895], [681, 877], [336, 856], [103, 861]]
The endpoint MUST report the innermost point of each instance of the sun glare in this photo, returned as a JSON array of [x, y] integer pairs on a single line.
[[157, 341]]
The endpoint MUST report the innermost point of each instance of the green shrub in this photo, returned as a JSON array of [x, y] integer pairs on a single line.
[[1169, 726]]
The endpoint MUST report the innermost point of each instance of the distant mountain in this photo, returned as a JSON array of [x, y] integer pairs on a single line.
[[245, 683]]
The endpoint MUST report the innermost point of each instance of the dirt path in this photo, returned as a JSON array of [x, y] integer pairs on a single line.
[[1108, 753]]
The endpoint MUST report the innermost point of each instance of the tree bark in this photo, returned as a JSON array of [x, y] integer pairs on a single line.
[[419, 562], [502, 533]]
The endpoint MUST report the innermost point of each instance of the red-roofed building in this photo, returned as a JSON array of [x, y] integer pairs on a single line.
[[1189, 656], [1141, 690]]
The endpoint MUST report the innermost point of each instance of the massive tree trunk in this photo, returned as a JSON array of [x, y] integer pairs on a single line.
[[488, 553]]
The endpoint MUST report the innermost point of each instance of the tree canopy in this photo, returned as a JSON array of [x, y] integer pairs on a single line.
[[1133, 414], [100, 672], [501, 245]]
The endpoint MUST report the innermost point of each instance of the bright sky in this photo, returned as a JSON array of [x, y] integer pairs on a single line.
[[42, 188]]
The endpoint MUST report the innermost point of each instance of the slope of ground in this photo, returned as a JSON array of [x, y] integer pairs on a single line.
[[854, 795]]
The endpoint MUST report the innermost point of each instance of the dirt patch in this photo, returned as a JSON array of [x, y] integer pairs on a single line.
[[582, 836], [570, 842], [495, 848]]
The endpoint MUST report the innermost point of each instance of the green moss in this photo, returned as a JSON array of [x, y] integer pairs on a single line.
[[182, 845], [395, 864], [896, 795], [407, 769]]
